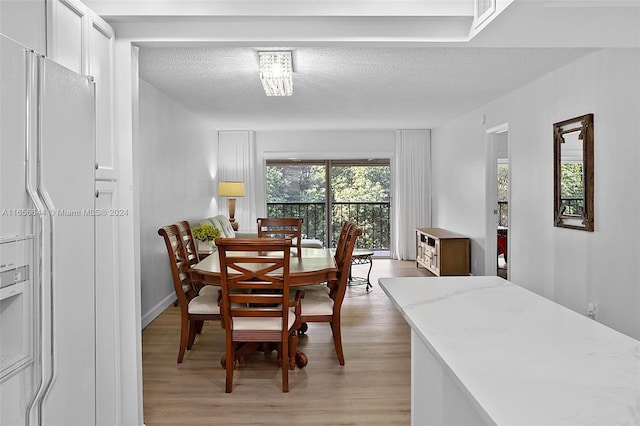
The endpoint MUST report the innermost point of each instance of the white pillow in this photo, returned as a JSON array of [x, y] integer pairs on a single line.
[[223, 224]]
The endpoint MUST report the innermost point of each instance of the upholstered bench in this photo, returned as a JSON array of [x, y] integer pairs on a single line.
[[222, 223]]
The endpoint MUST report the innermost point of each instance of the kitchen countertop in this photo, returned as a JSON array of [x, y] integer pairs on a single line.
[[520, 357]]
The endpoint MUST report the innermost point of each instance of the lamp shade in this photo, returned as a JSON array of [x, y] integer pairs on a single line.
[[230, 189]]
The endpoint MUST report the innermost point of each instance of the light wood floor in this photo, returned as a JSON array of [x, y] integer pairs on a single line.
[[372, 388]]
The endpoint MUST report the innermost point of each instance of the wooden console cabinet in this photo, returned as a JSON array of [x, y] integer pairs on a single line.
[[442, 252]]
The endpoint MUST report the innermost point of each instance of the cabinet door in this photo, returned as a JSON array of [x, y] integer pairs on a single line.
[[65, 41], [25, 22], [83, 42], [107, 317], [101, 40]]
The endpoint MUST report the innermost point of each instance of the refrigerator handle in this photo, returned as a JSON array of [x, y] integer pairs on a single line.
[[31, 160], [46, 208]]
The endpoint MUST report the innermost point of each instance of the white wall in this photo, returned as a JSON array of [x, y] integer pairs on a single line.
[[177, 164], [318, 144], [568, 266]]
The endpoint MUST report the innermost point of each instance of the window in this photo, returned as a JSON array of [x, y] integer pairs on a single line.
[[503, 193], [326, 193]]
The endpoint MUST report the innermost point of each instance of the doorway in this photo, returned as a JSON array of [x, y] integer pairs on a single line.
[[498, 202]]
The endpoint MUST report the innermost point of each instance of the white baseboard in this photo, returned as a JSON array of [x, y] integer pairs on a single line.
[[157, 310]]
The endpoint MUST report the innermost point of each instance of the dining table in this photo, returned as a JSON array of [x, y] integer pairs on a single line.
[[314, 266]]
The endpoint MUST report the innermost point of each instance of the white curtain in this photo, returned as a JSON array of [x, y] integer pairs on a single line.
[[237, 162], [412, 188]]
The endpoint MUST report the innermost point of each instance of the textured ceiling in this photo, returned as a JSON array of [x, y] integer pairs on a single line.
[[359, 64], [345, 87]]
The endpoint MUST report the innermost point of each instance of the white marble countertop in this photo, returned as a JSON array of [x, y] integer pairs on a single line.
[[523, 358]]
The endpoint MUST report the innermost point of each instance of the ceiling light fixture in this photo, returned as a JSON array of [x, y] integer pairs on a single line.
[[276, 73]]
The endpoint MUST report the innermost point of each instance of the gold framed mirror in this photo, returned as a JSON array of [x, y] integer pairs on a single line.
[[573, 173]]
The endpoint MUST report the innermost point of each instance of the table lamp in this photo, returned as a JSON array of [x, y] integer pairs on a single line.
[[232, 190]]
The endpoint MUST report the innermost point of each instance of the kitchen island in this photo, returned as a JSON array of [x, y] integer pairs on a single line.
[[486, 351]]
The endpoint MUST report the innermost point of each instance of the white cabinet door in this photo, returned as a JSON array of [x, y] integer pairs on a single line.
[[107, 318], [24, 22], [65, 38], [101, 40], [83, 42]]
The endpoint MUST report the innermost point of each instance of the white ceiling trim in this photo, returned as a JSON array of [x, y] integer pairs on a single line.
[[115, 8]]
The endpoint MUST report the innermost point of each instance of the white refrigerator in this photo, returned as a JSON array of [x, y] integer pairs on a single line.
[[47, 273]]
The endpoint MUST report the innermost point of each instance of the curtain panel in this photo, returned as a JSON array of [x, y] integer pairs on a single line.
[[412, 189], [237, 162]]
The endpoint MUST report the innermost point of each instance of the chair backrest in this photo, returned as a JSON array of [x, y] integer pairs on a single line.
[[189, 242], [254, 276], [179, 262], [343, 262], [282, 227], [342, 239]]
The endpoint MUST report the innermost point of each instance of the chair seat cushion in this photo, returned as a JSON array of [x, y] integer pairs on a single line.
[[317, 290], [317, 306], [204, 305], [270, 324], [209, 290]]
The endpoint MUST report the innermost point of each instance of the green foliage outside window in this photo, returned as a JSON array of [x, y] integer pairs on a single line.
[[503, 194], [360, 192], [360, 183], [290, 183], [503, 182], [572, 188], [306, 183]]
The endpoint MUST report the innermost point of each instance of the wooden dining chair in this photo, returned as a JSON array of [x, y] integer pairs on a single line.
[[322, 290], [190, 246], [255, 300], [194, 308], [342, 239], [326, 306], [282, 227], [189, 243]]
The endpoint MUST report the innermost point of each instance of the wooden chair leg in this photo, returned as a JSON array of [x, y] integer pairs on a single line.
[[293, 345], [337, 339], [230, 364], [278, 354], [192, 334], [184, 336], [285, 366], [199, 326]]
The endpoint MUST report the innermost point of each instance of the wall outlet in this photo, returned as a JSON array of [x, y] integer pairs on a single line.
[[591, 310]]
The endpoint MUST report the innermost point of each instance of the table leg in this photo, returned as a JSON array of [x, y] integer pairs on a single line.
[[361, 260]]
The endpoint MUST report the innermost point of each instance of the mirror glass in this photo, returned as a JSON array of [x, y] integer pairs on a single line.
[[573, 173]]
